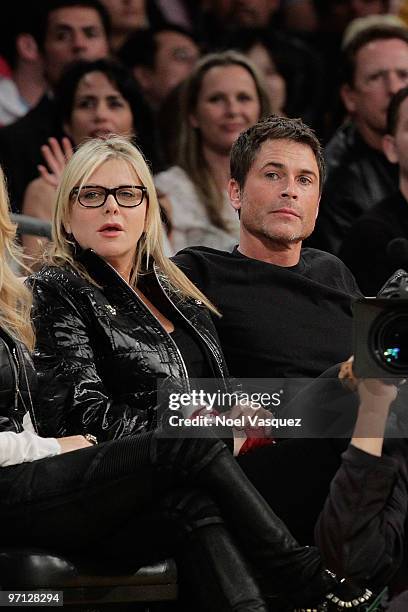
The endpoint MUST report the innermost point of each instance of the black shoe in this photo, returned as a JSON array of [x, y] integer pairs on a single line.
[[347, 596]]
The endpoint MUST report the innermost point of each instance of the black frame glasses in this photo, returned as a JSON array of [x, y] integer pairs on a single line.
[[76, 192]]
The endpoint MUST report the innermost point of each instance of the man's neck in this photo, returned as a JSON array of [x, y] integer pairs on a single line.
[[371, 138], [262, 249], [30, 83]]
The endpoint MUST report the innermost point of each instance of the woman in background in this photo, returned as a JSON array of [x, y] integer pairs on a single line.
[[222, 97], [94, 99]]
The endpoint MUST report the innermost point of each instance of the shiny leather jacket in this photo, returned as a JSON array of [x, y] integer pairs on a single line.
[[358, 177], [100, 351], [18, 383]]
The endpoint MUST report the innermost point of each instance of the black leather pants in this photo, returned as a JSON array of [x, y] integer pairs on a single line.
[[287, 568]]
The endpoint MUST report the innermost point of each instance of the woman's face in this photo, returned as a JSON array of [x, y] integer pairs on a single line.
[[274, 80], [112, 231], [98, 109], [227, 104]]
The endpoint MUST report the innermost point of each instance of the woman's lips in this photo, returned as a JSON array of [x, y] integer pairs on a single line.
[[110, 230]]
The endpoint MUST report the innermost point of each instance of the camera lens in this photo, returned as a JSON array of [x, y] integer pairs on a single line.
[[390, 341]]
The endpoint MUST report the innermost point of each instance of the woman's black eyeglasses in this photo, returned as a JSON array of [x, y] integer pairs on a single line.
[[95, 196]]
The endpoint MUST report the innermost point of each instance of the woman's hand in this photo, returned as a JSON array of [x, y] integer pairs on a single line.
[[56, 156], [72, 443], [250, 426]]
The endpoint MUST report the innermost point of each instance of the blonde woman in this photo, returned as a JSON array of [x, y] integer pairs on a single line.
[[223, 96], [113, 315]]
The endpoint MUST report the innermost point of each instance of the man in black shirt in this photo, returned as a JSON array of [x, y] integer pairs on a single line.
[[287, 313], [286, 310]]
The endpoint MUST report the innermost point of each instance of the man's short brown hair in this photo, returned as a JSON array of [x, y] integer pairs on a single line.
[[363, 38], [248, 143]]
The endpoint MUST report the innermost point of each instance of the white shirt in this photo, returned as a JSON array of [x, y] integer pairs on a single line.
[[189, 217], [25, 446]]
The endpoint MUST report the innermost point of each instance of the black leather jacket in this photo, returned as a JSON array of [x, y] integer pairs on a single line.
[[100, 351], [358, 177], [18, 384]]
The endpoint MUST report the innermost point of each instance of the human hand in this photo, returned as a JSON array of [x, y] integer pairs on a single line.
[[252, 419], [56, 156], [72, 443]]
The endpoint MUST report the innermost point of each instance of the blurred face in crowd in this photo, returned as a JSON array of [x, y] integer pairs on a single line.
[[396, 146], [275, 82], [362, 8], [99, 109], [126, 15], [253, 13], [381, 70], [227, 104], [175, 57], [280, 198], [111, 231], [73, 33]]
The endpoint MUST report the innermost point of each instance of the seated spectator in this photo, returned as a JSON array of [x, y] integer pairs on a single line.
[[269, 58], [24, 87], [93, 99], [108, 326], [160, 59], [359, 175], [377, 243], [125, 18], [222, 97], [288, 67], [65, 31]]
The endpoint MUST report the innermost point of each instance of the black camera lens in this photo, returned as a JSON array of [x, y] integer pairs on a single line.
[[390, 341]]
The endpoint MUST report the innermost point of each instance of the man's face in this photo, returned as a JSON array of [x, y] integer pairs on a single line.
[[73, 33], [381, 71], [396, 147], [280, 199], [253, 13], [126, 15], [176, 56]]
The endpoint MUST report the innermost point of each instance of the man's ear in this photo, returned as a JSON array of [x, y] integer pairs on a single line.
[[390, 149], [347, 94], [234, 193], [27, 47]]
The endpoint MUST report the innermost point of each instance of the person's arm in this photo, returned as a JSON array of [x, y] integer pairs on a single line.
[[38, 202], [27, 446], [72, 396], [360, 531]]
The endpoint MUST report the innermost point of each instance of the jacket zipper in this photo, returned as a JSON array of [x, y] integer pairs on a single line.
[[14, 369], [215, 356], [182, 362], [18, 354]]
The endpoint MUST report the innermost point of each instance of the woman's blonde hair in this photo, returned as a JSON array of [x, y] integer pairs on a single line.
[[86, 160], [15, 298], [190, 152]]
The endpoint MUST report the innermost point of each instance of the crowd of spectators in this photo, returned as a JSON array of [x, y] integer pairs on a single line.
[[182, 79]]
